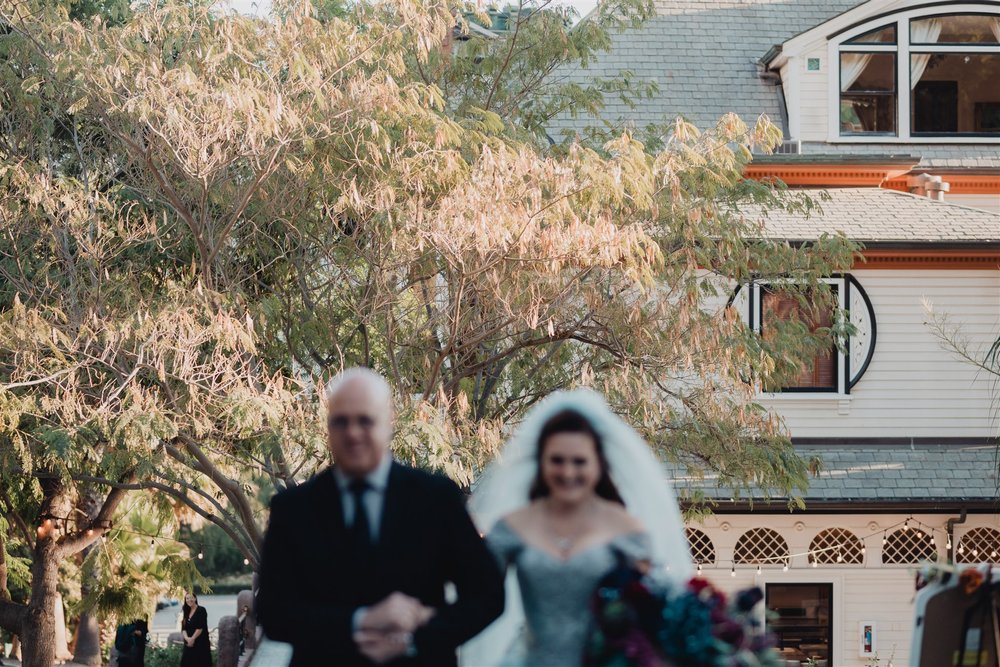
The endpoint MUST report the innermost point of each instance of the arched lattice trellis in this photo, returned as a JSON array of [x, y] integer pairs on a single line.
[[702, 549], [761, 546], [908, 546], [836, 546], [979, 545]]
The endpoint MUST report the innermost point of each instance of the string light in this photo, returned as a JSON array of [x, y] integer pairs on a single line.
[[246, 561], [949, 543], [200, 555], [906, 524], [732, 572], [784, 568], [699, 568], [758, 570]]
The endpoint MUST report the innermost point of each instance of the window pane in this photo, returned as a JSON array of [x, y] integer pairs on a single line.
[[955, 93], [967, 29], [821, 372], [884, 35], [867, 72], [867, 113]]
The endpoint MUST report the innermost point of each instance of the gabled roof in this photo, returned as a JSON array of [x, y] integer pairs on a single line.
[[877, 216], [882, 473], [703, 55]]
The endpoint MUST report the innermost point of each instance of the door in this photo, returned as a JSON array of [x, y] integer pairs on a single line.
[[802, 621]]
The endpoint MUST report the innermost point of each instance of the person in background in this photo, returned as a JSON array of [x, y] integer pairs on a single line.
[[194, 629], [130, 643]]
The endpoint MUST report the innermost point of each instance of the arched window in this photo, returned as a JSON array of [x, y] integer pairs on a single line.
[[908, 546], [702, 549], [921, 75], [761, 546], [979, 545], [836, 546]]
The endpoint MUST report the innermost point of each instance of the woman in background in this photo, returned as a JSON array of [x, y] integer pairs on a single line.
[[194, 630]]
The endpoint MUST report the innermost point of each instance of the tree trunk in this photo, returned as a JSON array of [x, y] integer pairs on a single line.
[[87, 650], [38, 636]]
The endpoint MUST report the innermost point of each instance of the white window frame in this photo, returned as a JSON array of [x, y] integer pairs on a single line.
[[903, 85], [841, 392]]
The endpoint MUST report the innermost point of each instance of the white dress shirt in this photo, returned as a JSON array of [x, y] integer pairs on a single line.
[[374, 497]]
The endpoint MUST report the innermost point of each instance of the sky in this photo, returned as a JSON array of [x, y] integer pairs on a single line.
[[261, 7]]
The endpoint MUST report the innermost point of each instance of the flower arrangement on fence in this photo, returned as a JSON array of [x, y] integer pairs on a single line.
[[644, 622]]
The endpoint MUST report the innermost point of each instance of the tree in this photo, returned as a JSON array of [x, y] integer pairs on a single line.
[[203, 216]]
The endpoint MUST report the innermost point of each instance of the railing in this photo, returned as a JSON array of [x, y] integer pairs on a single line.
[[160, 638]]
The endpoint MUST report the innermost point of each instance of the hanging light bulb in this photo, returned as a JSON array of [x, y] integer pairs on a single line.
[[885, 540], [949, 543], [961, 548], [758, 569], [246, 561], [863, 549], [840, 556], [932, 541], [732, 572], [699, 568], [200, 555], [906, 524], [975, 553], [814, 561], [785, 567]]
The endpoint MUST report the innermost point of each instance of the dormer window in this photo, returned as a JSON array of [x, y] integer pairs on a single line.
[[921, 76]]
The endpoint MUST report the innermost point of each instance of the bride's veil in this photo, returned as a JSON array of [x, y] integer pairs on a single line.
[[638, 475]]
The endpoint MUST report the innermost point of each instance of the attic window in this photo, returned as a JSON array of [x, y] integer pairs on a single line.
[[921, 76]]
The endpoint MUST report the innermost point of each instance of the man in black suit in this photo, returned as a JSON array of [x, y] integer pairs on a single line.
[[355, 561]]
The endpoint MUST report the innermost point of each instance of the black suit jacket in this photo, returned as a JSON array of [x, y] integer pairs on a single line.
[[309, 588]]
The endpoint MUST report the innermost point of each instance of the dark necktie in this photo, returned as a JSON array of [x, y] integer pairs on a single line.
[[361, 533]]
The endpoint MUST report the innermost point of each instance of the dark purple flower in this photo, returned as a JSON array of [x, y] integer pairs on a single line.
[[729, 631], [748, 599]]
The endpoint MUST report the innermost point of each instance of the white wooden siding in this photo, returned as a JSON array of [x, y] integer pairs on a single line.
[[913, 387], [868, 592], [986, 202], [811, 103]]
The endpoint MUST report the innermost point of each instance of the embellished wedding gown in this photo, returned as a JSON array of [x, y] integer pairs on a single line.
[[556, 592]]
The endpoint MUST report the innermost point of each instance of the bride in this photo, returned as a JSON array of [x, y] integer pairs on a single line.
[[575, 492]]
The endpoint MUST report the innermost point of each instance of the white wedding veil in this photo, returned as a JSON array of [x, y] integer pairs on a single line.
[[636, 472]]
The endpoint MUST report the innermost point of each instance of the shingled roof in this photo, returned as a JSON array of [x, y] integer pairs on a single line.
[[704, 54], [901, 218], [887, 473]]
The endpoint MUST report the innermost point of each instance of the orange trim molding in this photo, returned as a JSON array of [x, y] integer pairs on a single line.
[[831, 175], [873, 258], [960, 185]]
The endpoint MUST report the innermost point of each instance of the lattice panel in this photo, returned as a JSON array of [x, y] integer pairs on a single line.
[[836, 546], [908, 547], [979, 545], [761, 546], [702, 549]]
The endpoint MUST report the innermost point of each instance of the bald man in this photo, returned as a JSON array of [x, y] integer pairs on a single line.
[[355, 561]]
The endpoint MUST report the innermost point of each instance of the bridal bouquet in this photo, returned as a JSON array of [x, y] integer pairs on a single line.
[[640, 622]]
